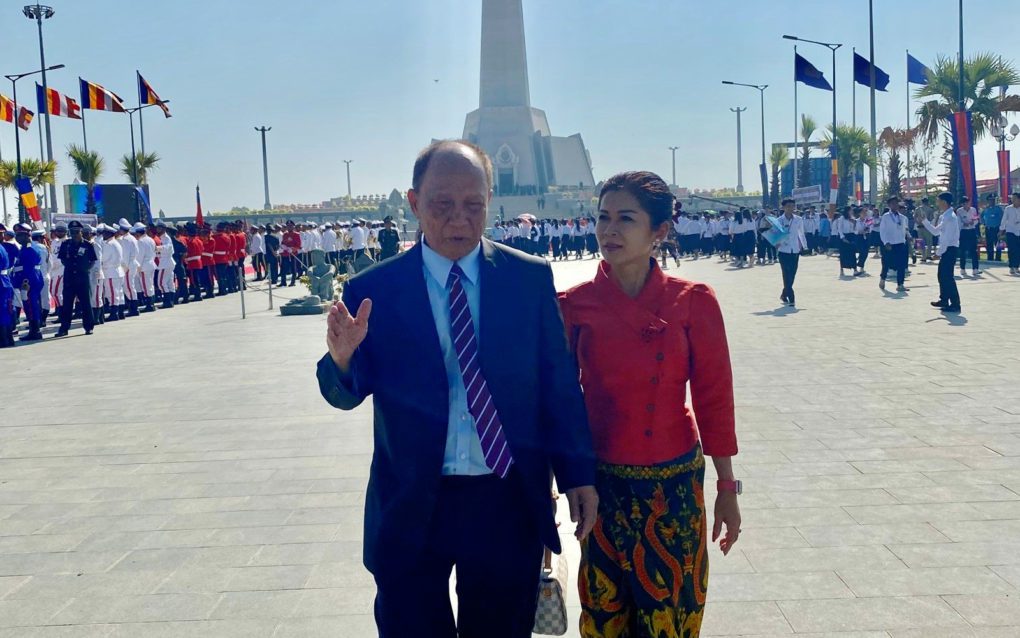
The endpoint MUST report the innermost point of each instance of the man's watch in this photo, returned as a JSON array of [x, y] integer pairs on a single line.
[[730, 486]]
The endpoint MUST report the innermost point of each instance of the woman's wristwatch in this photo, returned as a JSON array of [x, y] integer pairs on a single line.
[[730, 486]]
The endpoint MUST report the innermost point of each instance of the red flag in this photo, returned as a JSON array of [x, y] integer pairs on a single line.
[[198, 208], [1004, 190], [25, 118]]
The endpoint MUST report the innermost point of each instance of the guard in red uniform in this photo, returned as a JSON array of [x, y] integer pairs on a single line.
[[241, 247], [193, 261], [291, 247], [222, 248], [208, 260]]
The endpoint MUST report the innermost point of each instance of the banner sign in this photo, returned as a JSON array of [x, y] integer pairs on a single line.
[[963, 147], [807, 194], [1004, 176]]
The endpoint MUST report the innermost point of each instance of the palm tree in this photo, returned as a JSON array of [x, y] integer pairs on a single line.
[[853, 149], [88, 166], [40, 173], [779, 158], [894, 141], [144, 162], [983, 76], [808, 126]]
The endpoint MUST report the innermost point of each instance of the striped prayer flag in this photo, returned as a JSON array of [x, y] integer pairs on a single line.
[[147, 96], [25, 118], [6, 109], [52, 102], [28, 200], [94, 96]]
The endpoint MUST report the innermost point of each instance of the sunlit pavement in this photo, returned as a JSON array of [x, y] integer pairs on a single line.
[[178, 474]]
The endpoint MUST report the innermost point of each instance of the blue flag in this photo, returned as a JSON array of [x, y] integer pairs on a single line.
[[862, 73], [917, 73], [804, 71]]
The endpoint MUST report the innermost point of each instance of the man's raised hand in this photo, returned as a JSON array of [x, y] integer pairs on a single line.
[[345, 333]]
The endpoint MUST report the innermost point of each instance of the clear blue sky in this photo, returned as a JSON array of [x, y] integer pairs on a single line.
[[352, 79]]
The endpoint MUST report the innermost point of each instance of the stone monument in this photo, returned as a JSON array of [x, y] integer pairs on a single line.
[[526, 157], [320, 284]]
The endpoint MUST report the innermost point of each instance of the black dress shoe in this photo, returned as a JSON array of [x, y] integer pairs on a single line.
[[60, 333], [939, 304], [88, 332]]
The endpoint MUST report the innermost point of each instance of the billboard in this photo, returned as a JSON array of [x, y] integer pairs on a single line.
[[113, 201]]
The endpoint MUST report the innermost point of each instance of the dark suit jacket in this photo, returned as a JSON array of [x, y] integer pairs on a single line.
[[529, 371]]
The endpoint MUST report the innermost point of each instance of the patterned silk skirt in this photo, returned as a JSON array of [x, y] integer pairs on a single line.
[[644, 568]]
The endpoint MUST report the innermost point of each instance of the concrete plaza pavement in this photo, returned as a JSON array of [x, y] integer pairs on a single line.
[[179, 475]]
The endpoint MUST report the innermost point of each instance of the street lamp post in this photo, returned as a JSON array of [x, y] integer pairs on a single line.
[[134, 155], [348, 162], [17, 129], [999, 132], [740, 167], [762, 169], [674, 150], [265, 163], [40, 12]]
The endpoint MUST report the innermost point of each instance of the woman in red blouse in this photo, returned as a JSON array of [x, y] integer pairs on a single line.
[[640, 336]]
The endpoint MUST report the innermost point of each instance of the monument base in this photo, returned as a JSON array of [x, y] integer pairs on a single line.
[[311, 305]]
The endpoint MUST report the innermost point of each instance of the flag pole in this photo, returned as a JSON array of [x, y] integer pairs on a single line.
[[873, 177], [908, 118], [795, 178], [141, 126], [854, 116], [84, 137]]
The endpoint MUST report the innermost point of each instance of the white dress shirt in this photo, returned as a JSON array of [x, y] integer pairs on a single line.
[[948, 230], [1010, 220], [968, 217], [893, 228], [359, 238], [794, 241]]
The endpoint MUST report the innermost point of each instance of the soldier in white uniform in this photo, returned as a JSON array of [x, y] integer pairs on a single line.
[[44, 267], [165, 264], [113, 273], [146, 266], [56, 286], [129, 246], [96, 277]]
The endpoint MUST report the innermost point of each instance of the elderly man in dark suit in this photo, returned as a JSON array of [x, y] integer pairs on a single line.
[[468, 427]]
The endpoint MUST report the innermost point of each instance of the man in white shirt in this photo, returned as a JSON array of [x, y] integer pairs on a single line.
[[893, 232], [1010, 231], [146, 266], [789, 247], [258, 252], [969, 219], [329, 245], [948, 232]]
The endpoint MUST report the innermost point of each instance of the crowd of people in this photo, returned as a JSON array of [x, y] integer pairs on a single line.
[[900, 233], [113, 272]]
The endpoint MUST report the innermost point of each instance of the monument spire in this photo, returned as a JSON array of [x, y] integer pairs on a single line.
[[504, 79]]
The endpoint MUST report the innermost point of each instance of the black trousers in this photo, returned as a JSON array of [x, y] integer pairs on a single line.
[[992, 249], [948, 291], [497, 567], [290, 267], [222, 279], [862, 250], [789, 262], [1013, 248], [81, 290], [895, 258], [968, 248]]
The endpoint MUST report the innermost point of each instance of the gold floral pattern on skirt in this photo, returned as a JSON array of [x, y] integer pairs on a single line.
[[644, 568]]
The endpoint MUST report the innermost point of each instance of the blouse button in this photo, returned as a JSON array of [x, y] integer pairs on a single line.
[[648, 432], [655, 380], [659, 356], [650, 407]]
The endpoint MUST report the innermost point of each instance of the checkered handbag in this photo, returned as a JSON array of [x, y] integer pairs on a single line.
[[551, 613]]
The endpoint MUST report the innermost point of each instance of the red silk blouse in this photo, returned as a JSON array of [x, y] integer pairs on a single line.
[[636, 357]]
